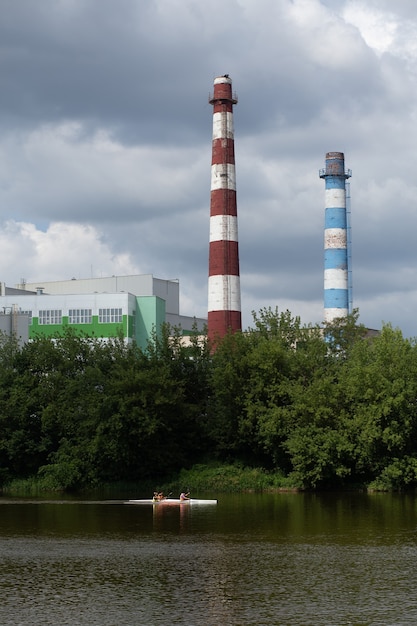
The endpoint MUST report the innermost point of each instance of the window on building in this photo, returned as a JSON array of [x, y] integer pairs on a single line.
[[79, 316], [109, 316], [29, 314], [53, 316]]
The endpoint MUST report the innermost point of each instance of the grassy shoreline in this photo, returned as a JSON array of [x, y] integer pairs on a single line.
[[218, 478]]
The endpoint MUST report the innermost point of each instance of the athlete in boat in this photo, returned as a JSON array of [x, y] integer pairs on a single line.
[[184, 496]]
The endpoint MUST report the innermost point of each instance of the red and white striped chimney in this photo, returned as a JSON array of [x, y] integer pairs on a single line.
[[224, 310]]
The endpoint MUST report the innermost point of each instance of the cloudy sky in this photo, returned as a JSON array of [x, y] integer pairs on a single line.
[[105, 144]]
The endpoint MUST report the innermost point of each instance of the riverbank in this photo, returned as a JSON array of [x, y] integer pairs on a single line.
[[201, 478], [220, 478]]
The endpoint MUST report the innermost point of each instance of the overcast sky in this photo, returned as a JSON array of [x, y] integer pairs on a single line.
[[105, 144]]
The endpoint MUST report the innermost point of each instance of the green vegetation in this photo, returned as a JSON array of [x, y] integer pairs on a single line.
[[226, 478], [280, 406]]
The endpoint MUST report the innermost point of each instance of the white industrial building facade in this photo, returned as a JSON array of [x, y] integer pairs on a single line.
[[133, 306]]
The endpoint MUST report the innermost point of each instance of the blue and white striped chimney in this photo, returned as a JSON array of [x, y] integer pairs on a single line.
[[336, 258]]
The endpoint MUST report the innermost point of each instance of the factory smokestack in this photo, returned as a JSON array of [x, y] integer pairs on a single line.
[[336, 258], [224, 309]]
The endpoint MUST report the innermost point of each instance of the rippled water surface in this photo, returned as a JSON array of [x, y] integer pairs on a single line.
[[284, 559]]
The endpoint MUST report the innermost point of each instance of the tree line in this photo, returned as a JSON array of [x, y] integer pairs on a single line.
[[322, 407]]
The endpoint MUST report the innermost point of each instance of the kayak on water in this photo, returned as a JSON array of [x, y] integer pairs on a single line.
[[171, 501]]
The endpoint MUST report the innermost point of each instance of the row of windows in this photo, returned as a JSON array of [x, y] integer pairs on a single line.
[[106, 316], [78, 316], [53, 316]]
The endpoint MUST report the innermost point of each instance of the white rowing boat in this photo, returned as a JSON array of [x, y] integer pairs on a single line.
[[172, 501]]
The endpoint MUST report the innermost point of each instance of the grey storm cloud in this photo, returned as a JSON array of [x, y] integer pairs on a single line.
[[105, 143]]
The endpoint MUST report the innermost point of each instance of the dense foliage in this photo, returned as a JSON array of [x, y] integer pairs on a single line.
[[332, 408]]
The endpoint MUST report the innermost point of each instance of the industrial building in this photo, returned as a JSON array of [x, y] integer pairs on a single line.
[[134, 306], [14, 323]]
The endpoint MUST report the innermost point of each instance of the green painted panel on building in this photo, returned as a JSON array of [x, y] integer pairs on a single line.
[[150, 315], [95, 329]]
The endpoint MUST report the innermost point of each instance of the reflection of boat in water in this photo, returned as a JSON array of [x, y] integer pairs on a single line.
[[172, 501]]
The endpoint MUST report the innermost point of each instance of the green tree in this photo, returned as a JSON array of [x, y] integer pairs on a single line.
[[380, 382], [22, 444]]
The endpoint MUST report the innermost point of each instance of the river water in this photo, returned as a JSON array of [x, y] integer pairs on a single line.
[[282, 559]]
